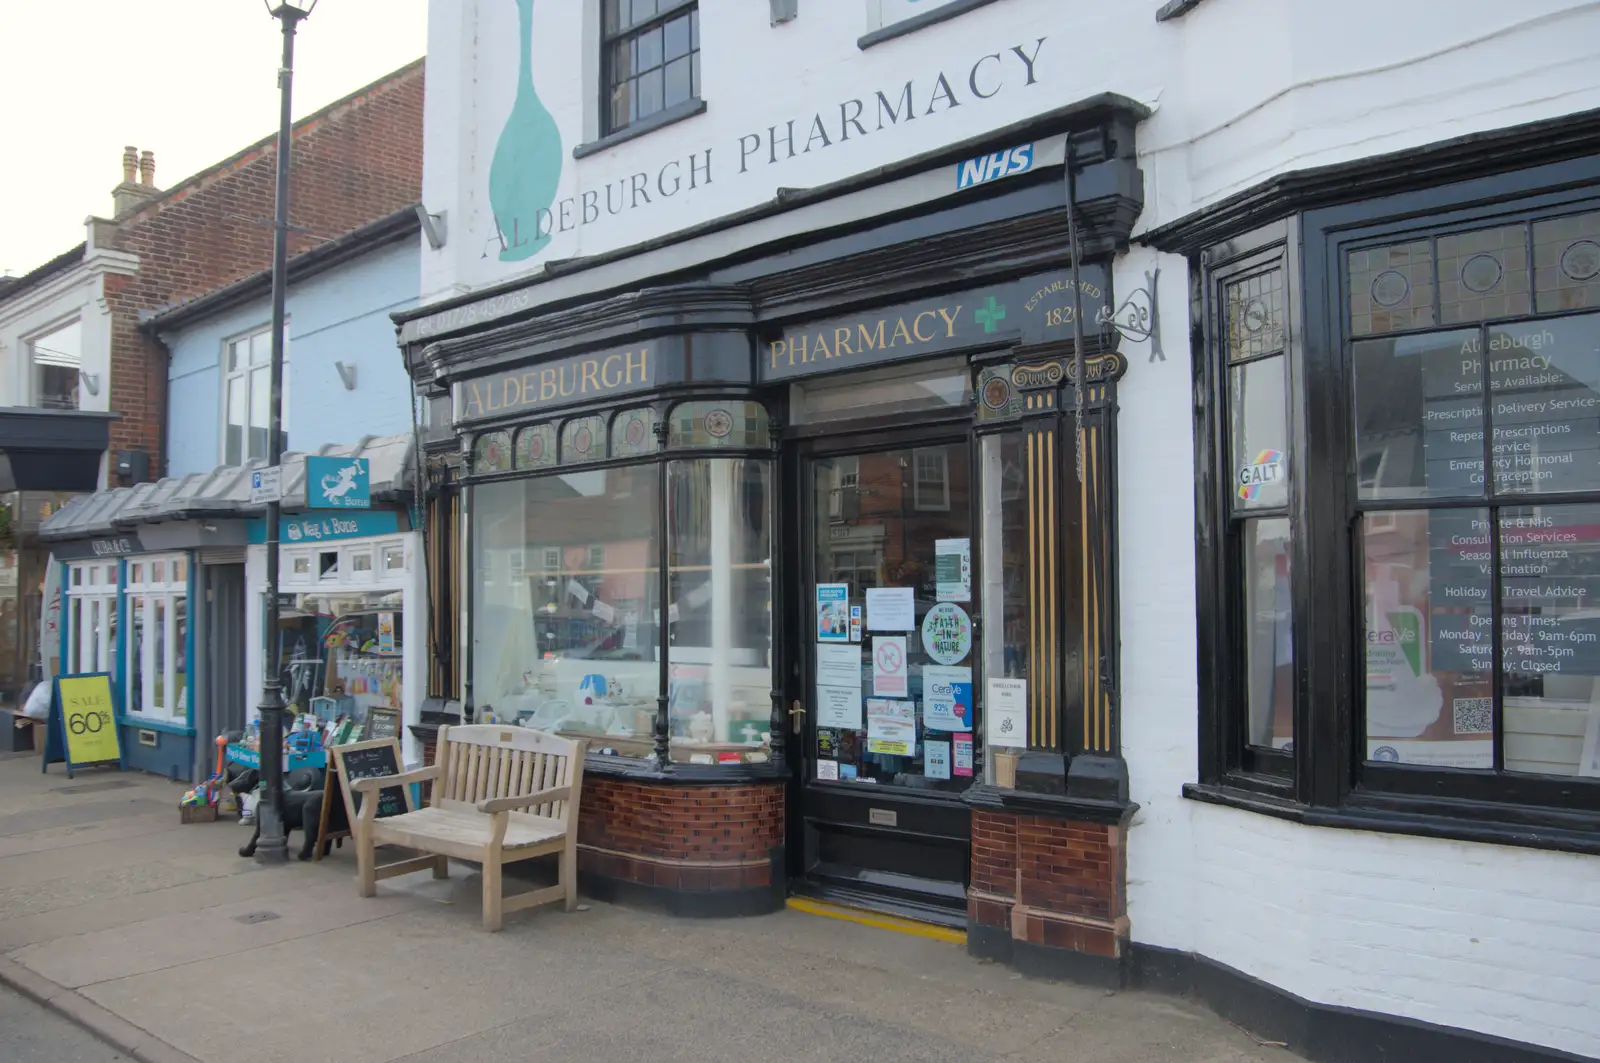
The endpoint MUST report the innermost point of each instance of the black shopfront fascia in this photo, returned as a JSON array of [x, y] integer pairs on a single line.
[[1309, 222]]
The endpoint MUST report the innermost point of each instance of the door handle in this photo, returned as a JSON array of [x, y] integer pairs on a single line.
[[797, 716]]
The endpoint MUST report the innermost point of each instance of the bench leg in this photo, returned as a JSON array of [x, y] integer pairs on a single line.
[[441, 867], [493, 914], [366, 866], [569, 872]]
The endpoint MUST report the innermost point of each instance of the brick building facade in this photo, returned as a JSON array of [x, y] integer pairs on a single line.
[[354, 161]]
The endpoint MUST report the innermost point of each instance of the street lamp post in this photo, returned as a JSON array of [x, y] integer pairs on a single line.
[[273, 846]]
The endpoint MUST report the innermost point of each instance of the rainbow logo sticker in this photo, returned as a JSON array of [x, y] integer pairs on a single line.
[[1268, 468]]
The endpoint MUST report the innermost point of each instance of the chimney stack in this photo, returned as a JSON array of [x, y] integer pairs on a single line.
[[138, 180]]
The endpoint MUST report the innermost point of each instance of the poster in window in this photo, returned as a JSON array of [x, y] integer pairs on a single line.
[[1007, 710], [889, 666], [839, 707], [833, 612], [891, 609], [947, 633], [936, 760], [947, 698], [953, 570], [385, 632], [891, 727], [839, 666], [963, 755]]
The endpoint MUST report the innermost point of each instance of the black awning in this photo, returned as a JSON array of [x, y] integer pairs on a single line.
[[52, 450]]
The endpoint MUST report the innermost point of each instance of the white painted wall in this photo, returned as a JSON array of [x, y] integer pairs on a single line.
[[75, 294], [1501, 940]]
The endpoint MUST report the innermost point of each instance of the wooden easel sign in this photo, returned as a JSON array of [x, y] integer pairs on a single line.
[[82, 731], [359, 760]]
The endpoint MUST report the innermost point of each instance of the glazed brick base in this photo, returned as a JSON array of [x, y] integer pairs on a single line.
[[693, 849], [1048, 895]]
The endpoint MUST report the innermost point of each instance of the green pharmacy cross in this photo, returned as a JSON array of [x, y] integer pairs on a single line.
[[990, 314]]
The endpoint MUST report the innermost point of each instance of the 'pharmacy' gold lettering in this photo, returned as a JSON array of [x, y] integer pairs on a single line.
[[571, 380], [864, 337]]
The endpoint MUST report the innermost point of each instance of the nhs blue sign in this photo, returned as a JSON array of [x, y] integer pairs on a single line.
[[1007, 163]]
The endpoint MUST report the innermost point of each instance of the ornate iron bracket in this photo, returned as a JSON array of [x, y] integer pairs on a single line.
[[1139, 316]]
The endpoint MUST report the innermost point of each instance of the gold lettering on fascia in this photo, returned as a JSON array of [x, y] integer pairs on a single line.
[[864, 337], [569, 381]]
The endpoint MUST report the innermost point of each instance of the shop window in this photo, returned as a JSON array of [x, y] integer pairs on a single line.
[[491, 453], [583, 439], [1416, 594], [536, 446], [342, 652], [155, 675], [718, 424], [574, 648], [719, 614], [247, 396], [92, 618], [650, 57], [633, 433]]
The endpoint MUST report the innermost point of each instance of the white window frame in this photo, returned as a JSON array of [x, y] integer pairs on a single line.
[[241, 374], [917, 482], [91, 606], [377, 551], [157, 595], [41, 355]]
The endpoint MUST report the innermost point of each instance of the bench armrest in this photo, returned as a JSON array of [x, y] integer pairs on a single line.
[[369, 786], [509, 804]]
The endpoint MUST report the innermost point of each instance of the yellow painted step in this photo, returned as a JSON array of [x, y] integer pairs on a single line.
[[931, 931]]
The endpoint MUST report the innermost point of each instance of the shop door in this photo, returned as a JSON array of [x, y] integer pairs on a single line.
[[883, 701]]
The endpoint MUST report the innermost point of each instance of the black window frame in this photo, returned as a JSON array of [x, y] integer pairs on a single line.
[[1331, 782], [668, 11]]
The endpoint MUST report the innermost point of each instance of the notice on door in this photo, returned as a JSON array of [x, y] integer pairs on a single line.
[[891, 727], [839, 666], [952, 567], [936, 760], [889, 666], [839, 707], [1007, 710], [833, 612], [891, 609], [946, 698]]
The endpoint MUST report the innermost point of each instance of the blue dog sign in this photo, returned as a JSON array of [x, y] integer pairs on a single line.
[[338, 483]]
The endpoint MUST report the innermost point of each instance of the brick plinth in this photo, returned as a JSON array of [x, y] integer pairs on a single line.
[[1049, 894], [692, 839]]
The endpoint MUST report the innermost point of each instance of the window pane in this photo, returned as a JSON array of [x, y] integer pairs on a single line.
[[1004, 543], [394, 558], [648, 92], [158, 657], [940, 385], [536, 447], [158, 572], [633, 433], [302, 566], [1428, 627], [613, 15], [492, 452], [583, 439], [238, 352], [1419, 416], [1269, 625], [572, 649], [261, 348], [1256, 314], [1566, 262], [1545, 378], [718, 424], [1483, 274], [675, 41], [180, 654], [679, 85], [1259, 444], [719, 615], [136, 673], [361, 562], [1549, 635], [1391, 288], [648, 49]]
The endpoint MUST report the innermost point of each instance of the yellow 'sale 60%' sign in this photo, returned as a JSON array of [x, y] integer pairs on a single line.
[[89, 719]]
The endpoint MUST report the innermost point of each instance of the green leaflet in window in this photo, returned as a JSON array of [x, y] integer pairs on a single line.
[[527, 160]]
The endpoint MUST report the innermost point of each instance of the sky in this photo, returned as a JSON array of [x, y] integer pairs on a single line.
[[192, 80]]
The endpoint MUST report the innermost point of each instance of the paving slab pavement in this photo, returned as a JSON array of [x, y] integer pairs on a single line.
[[117, 915]]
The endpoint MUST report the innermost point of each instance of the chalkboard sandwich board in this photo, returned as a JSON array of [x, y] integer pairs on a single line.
[[366, 760], [382, 723]]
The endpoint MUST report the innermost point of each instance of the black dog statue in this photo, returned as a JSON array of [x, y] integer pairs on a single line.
[[303, 791]]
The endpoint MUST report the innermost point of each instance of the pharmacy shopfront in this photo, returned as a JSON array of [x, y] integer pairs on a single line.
[[819, 560]]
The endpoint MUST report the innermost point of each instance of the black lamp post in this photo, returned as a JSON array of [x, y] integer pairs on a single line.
[[273, 847]]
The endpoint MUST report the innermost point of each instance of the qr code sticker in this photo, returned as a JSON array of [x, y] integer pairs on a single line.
[[1474, 716]]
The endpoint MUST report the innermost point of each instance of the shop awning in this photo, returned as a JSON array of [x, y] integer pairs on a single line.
[[52, 450], [215, 503]]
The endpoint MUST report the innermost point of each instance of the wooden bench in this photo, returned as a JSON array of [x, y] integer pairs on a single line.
[[500, 794]]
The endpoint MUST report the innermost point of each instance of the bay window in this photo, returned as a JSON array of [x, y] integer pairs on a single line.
[[1408, 494]]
